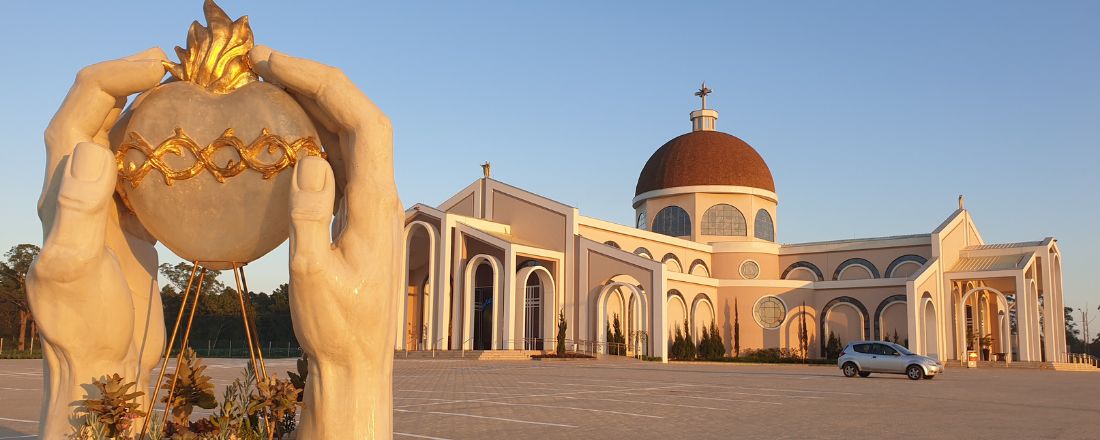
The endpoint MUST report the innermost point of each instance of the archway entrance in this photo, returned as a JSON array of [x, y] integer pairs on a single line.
[[623, 299], [930, 341], [985, 327], [484, 280], [415, 324], [532, 314]]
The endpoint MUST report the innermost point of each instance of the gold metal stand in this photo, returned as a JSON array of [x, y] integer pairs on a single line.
[[255, 352]]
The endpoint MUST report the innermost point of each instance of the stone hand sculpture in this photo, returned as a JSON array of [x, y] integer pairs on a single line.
[[342, 273], [93, 288]]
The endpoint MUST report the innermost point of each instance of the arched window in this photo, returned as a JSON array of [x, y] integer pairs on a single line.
[[672, 220], [723, 219], [642, 223], [765, 229]]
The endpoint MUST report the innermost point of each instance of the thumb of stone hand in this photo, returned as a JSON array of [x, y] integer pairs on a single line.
[[312, 193], [83, 201]]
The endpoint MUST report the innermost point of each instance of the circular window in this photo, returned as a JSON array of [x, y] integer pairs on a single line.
[[750, 270], [769, 312]]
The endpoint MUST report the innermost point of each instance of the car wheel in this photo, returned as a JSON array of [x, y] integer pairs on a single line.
[[915, 372], [850, 369], [864, 373]]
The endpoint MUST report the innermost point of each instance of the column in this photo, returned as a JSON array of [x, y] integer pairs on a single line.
[[1023, 318]]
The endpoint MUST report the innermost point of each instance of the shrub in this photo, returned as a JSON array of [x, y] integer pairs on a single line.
[[273, 400], [711, 346], [113, 413], [770, 355], [562, 325], [833, 347], [682, 347], [193, 389]]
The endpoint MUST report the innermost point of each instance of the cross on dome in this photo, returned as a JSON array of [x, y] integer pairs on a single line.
[[702, 93]]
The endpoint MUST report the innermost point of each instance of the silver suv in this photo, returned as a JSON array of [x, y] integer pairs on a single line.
[[865, 357]]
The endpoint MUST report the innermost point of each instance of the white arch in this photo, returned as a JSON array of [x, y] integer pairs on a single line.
[[468, 299], [549, 303], [813, 276], [428, 305], [638, 304], [902, 264], [700, 264], [859, 313], [882, 316], [960, 327], [930, 334], [870, 273], [683, 306], [676, 267], [701, 299]]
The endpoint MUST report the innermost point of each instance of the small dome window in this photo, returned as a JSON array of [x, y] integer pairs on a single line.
[[764, 227]]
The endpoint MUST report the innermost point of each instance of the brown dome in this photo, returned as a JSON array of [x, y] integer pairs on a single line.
[[705, 158]]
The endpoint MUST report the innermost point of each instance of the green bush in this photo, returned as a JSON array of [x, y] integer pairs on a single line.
[[711, 346], [562, 326], [833, 347], [681, 347]]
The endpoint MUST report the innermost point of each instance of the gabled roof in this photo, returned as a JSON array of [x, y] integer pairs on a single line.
[[1022, 244], [992, 263]]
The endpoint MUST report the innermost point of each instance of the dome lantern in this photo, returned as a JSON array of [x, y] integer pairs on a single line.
[[703, 119]]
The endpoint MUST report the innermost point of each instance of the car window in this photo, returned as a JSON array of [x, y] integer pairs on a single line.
[[885, 350], [902, 349], [862, 348]]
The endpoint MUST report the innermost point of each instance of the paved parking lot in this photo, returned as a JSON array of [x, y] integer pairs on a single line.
[[456, 399]]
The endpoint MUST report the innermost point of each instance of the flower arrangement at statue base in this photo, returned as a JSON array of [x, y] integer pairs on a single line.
[[249, 409]]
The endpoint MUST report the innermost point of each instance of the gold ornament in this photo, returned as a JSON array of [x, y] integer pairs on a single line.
[[204, 156], [216, 57]]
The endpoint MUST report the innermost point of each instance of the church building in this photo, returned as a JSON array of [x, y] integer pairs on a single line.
[[492, 268]]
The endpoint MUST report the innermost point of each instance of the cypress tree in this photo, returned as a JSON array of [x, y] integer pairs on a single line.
[[719, 348], [562, 325], [736, 331], [704, 344], [803, 334], [689, 345], [617, 337], [609, 338]]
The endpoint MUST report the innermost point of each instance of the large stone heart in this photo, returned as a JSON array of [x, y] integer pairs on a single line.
[[242, 216]]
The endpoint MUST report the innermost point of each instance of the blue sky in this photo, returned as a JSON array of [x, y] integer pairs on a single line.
[[873, 115]]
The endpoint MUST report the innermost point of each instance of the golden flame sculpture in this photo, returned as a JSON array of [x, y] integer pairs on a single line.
[[216, 57]]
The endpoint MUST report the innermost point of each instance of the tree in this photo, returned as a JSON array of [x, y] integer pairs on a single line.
[[179, 275], [897, 340], [736, 331], [803, 333], [710, 344], [13, 286], [609, 339], [703, 348], [690, 351], [562, 325], [718, 348], [1072, 332], [832, 347], [617, 337]]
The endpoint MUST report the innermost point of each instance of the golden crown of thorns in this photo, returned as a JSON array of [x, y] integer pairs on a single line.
[[248, 156]]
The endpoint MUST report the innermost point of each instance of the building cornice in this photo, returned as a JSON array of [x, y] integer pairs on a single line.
[[751, 247], [714, 189], [856, 244], [642, 234]]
